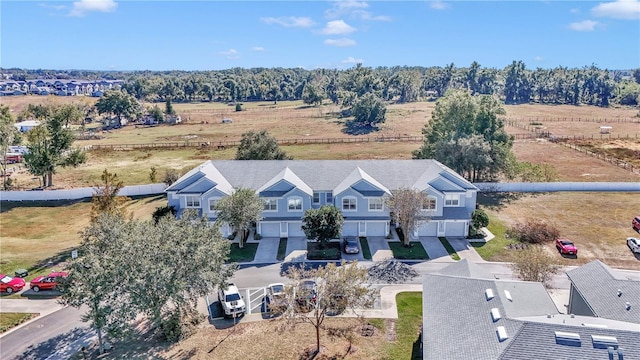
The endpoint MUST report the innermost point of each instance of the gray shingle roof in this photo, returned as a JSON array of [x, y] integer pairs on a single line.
[[598, 285], [538, 341], [457, 321], [327, 174], [467, 268]]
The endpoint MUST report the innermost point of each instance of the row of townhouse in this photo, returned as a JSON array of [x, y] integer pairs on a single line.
[[62, 87], [357, 187]]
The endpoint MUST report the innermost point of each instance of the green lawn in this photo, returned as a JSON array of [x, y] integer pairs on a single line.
[[330, 251], [494, 249], [364, 245], [246, 254], [9, 320], [407, 327], [454, 255], [282, 249], [415, 252]]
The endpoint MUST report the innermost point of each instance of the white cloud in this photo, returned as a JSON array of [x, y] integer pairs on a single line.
[[289, 21], [621, 9], [341, 8], [574, 11], [54, 7], [538, 59], [82, 7], [352, 60], [367, 15], [230, 54], [585, 25], [438, 5], [257, 48], [337, 27], [343, 42]]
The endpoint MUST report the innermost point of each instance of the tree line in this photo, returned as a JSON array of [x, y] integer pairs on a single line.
[[514, 84]]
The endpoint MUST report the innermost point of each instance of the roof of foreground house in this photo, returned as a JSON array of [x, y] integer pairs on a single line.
[[328, 175], [606, 292], [462, 315]]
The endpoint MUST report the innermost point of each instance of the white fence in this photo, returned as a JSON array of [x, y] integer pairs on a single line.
[[559, 186], [80, 193]]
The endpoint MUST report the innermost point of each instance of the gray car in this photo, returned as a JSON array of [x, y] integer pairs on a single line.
[[351, 245]]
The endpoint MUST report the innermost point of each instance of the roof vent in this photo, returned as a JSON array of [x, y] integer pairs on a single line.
[[548, 316], [628, 305], [502, 333], [507, 294], [611, 353], [495, 314], [573, 316], [619, 292], [603, 342], [620, 354], [567, 338], [489, 294]]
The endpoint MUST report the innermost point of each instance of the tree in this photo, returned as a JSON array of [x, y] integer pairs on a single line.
[[118, 103], [91, 277], [407, 205], [178, 261], [467, 134], [168, 108], [7, 135], [50, 142], [106, 199], [312, 94], [241, 209], [369, 111], [338, 288], [479, 219], [535, 264], [322, 224], [156, 114], [259, 146]]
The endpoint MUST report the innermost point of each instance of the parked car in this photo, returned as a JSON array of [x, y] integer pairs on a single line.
[[306, 295], [634, 244], [566, 246], [10, 284], [276, 297], [351, 245], [49, 282], [231, 301], [635, 223]]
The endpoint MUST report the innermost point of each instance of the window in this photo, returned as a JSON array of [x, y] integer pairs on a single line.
[[193, 201], [270, 205], [316, 197], [375, 204], [429, 203], [212, 204], [294, 203], [349, 203], [451, 200], [329, 197]]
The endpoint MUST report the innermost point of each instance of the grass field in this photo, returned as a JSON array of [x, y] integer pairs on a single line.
[[407, 326], [414, 252], [9, 320]]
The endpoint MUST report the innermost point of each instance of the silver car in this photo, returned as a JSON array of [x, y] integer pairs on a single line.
[[634, 244], [351, 245]]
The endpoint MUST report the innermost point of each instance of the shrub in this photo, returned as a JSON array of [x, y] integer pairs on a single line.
[[170, 176], [534, 232], [163, 211], [479, 219], [238, 107], [257, 236]]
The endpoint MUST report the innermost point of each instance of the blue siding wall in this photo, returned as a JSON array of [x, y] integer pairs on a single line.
[[363, 185], [362, 206], [283, 206]]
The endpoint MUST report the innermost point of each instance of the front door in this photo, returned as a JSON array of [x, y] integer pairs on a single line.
[[441, 228], [284, 229], [362, 228]]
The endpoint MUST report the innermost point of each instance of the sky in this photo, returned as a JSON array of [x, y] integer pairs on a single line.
[[217, 35]]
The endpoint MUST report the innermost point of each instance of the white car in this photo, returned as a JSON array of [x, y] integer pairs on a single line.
[[634, 244], [231, 301]]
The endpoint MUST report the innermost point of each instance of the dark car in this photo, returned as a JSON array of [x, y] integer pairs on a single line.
[[351, 245], [306, 295], [635, 223]]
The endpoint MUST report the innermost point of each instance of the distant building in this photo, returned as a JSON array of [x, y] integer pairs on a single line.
[[26, 125]]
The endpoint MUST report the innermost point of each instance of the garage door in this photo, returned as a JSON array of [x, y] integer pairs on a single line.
[[428, 229], [270, 229], [456, 228], [350, 228], [376, 228], [295, 229]]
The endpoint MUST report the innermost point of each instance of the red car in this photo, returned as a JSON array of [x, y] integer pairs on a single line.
[[49, 282], [635, 223], [10, 284], [566, 246]]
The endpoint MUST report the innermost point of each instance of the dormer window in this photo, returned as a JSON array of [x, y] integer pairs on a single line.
[[212, 204], [375, 204], [316, 197], [193, 201], [452, 200], [270, 205], [294, 204], [349, 203]]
